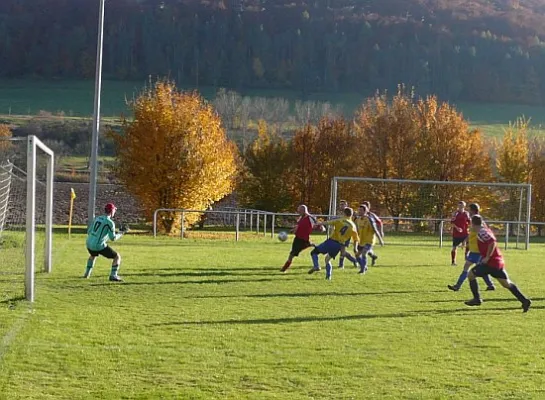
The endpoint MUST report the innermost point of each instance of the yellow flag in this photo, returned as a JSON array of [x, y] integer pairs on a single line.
[[72, 194]]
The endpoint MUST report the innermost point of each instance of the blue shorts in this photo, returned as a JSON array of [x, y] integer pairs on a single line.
[[474, 258], [330, 246], [365, 248]]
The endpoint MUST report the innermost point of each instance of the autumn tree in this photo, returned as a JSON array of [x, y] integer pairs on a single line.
[[319, 153], [537, 172], [513, 162], [448, 150], [388, 133], [5, 133], [264, 182], [174, 153]]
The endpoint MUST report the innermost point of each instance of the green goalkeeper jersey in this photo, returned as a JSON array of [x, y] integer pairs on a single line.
[[101, 230]]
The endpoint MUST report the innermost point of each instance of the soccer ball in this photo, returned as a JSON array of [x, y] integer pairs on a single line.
[[282, 236]]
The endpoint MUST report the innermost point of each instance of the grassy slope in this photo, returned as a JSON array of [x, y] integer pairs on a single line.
[[204, 320]]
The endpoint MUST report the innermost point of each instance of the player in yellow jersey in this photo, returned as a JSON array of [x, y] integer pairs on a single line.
[[367, 231], [473, 255], [344, 230]]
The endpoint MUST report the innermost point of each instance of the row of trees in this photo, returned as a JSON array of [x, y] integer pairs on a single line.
[[175, 153], [475, 50], [398, 138]]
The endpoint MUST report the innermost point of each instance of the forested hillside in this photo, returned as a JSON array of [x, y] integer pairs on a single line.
[[481, 50]]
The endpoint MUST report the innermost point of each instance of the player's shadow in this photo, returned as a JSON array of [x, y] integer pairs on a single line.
[[13, 301], [358, 317], [199, 282], [485, 300]]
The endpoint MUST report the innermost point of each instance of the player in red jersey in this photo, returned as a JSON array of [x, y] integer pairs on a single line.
[[460, 229], [492, 263], [302, 231]]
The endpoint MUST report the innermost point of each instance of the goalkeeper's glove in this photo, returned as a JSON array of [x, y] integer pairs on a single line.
[[124, 229]]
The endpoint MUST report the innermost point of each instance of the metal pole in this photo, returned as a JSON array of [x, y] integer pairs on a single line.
[[237, 227], [264, 224], [183, 224], [441, 227], [506, 235], [96, 119], [251, 220], [272, 225], [257, 222], [245, 223]]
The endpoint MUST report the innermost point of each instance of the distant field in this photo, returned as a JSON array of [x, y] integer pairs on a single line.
[[75, 99]]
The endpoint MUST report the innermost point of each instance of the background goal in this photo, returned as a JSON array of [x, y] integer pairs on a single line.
[[416, 211], [26, 211]]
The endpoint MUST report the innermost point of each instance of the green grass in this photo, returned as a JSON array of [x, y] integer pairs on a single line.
[[216, 320]]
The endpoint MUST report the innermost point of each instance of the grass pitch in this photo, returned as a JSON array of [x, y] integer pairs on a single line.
[[214, 319]]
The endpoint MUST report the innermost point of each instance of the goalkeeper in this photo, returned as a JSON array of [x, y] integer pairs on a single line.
[[99, 232]]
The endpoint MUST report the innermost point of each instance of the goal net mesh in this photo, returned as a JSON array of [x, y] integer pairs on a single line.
[[417, 212], [13, 197]]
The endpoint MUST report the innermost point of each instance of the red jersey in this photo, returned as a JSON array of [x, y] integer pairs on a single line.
[[304, 227], [460, 220], [485, 238]]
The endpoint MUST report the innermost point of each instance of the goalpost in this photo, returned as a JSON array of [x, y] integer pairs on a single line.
[[421, 208], [26, 214]]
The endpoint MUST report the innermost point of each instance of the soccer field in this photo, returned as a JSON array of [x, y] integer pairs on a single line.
[[217, 320]]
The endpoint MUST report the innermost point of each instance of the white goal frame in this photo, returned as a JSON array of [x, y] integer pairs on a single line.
[[33, 146], [335, 181]]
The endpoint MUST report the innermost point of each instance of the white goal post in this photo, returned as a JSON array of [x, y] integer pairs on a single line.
[[421, 200], [33, 146]]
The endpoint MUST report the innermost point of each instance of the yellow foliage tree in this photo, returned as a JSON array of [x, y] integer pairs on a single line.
[[537, 172], [388, 134], [174, 153], [264, 183], [448, 150], [5, 133], [513, 162]]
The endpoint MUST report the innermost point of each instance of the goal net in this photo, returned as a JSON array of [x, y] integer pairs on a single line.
[[419, 212], [26, 199]]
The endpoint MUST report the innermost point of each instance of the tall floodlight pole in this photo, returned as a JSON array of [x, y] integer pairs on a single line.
[[96, 119]]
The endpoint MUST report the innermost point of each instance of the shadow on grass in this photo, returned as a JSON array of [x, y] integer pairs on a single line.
[[312, 294], [201, 274], [12, 302], [485, 300], [201, 282], [291, 320]]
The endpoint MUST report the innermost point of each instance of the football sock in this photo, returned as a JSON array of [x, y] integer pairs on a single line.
[[328, 270], [453, 256], [516, 292], [341, 262], [114, 270], [488, 281], [350, 258], [371, 253], [461, 278], [287, 265], [363, 262], [89, 268], [475, 289], [315, 261]]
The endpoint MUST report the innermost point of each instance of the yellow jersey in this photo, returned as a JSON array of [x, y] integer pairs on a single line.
[[344, 230], [473, 242], [366, 230]]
